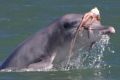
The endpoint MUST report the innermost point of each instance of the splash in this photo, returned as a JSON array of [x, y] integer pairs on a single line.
[[84, 60], [27, 70], [92, 59]]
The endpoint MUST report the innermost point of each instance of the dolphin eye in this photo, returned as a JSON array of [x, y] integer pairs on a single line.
[[69, 25]]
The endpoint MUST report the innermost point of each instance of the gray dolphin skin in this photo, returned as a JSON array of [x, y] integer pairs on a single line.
[[49, 46]]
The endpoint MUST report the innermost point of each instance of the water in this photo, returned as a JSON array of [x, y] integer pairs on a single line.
[[21, 18]]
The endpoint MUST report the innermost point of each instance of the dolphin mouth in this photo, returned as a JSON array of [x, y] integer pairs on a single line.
[[109, 30], [100, 31], [93, 18]]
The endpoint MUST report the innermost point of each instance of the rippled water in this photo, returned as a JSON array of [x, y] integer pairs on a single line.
[[21, 18]]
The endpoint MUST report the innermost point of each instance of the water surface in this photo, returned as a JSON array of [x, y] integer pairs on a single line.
[[22, 18]]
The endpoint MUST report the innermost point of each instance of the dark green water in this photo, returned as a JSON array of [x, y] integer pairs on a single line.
[[21, 18]]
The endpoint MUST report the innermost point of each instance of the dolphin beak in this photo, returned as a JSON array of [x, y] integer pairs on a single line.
[[110, 30]]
